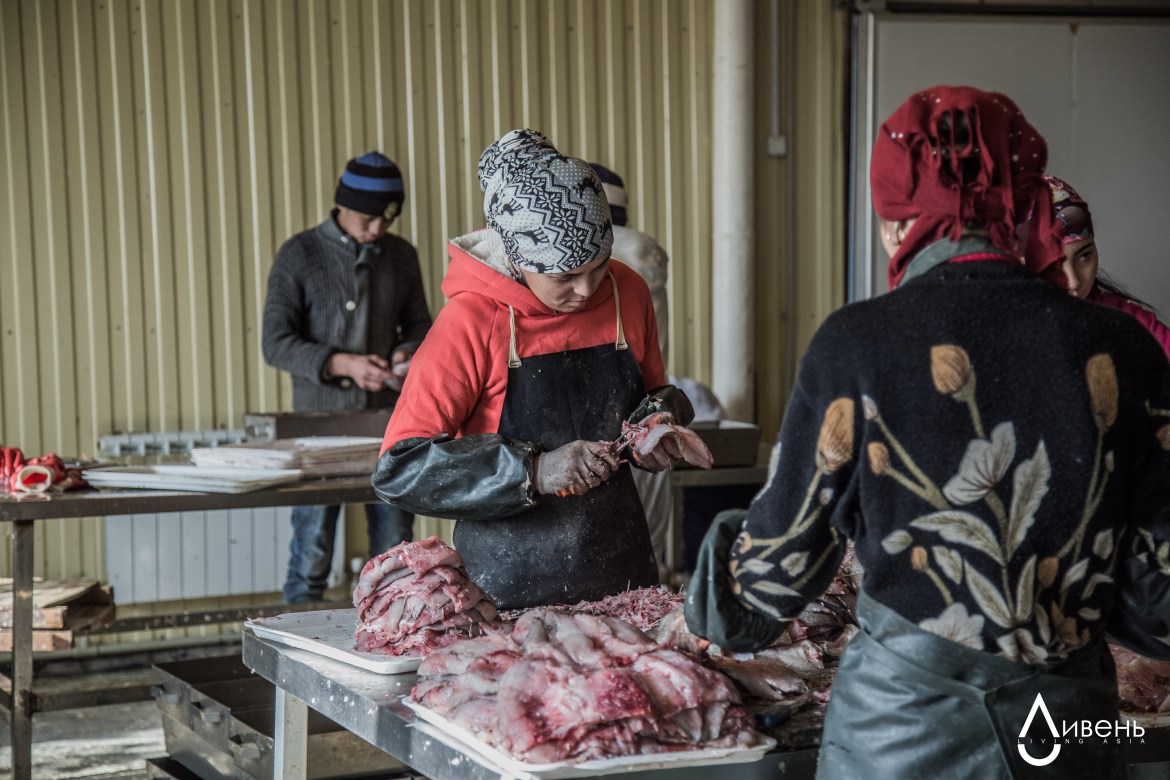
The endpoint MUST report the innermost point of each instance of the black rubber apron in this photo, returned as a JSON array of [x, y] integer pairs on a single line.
[[907, 703], [571, 548]]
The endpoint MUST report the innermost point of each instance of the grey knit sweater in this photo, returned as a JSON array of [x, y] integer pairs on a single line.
[[327, 294]]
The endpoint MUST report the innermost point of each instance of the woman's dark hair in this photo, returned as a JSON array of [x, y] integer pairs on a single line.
[[1111, 285]]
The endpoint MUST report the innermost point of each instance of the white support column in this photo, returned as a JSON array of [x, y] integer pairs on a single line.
[[733, 219]]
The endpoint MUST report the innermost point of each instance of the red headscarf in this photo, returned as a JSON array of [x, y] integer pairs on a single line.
[[919, 170], [1069, 221]]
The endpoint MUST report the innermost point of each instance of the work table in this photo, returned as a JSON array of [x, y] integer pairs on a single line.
[[370, 705], [23, 514]]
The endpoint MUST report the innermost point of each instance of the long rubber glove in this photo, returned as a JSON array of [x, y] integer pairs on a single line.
[[667, 398], [1141, 618], [486, 476], [712, 610]]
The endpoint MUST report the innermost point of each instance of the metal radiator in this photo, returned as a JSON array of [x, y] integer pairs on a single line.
[[187, 555]]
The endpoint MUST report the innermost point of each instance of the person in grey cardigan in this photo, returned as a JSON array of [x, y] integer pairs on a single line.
[[344, 314]]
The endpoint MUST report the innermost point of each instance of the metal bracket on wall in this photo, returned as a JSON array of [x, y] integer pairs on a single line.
[[777, 146]]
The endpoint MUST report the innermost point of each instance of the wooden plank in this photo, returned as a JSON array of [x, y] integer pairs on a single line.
[[43, 641], [86, 616], [43, 617], [55, 593], [58, 604], [77, 617]]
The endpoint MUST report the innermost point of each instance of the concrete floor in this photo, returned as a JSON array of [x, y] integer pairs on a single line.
[[108, 741], [94, 742]]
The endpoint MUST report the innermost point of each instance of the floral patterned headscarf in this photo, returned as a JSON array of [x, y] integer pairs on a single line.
[[1073, 220], [1070, 220], [921, 170]]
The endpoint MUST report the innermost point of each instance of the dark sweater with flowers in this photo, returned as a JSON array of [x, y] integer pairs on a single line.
[[990, 444]]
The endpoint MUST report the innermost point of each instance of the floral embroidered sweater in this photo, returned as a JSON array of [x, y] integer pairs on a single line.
[[987, 442]]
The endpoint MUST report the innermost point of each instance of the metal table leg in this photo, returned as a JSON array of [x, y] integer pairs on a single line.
[[22, 661], [292, 737], [674, 537]]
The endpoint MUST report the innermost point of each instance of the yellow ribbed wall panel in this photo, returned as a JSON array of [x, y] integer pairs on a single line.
[[153, 157]]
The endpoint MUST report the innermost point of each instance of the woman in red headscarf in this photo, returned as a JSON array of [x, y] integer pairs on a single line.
[[1072, 231], [993, 448]]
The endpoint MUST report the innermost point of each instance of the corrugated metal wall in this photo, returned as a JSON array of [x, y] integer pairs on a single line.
[[154, 155]]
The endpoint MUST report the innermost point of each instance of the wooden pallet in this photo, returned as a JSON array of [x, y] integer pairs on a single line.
[[60, 608]]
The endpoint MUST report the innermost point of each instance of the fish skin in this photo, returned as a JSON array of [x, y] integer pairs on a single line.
[[679, 441]]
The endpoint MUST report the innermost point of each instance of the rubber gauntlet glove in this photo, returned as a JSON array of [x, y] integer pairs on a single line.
[[712, 611], [575, 468]]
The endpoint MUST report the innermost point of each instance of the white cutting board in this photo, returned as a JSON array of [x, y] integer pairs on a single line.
[[329, 632], [463, 739], [198, 479], [290, 451]]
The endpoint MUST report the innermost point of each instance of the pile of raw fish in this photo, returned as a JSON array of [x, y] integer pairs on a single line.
[[561, 687], [416, 597], [786, 685], [1143, 684]]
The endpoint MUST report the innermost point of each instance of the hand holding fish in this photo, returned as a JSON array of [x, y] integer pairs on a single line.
[[575, 468], [657, 443]]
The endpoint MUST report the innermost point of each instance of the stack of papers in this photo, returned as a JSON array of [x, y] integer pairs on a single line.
[[314, 456], [193, 478]]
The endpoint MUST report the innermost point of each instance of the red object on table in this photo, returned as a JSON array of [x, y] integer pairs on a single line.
[[11, 462], [60, 477]]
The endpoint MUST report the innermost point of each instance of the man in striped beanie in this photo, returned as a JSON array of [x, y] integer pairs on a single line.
[[369, 195], [345, 312]]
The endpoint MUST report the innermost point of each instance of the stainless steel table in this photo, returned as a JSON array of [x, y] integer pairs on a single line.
[[18, 699], [370, 706]]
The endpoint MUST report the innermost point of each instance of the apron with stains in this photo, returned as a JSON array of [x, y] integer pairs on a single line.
[[572, 548], [907, 703]]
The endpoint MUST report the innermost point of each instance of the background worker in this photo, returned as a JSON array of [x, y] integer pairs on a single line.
[[344, 314], [506, 422], [1072, 232], [642, 253]]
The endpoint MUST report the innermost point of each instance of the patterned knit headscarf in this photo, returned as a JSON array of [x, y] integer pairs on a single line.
[[1069, 220], [921, 169], [1074, 222], [548, 209]]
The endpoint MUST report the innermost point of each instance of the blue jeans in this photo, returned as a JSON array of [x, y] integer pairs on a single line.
[[311, 550]]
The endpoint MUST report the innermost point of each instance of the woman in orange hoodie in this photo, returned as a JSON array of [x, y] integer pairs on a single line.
[[506, 420]]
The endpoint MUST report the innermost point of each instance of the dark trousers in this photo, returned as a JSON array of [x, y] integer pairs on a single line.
[[311, 549]]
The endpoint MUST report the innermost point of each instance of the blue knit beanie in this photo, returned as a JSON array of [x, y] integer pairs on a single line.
[[615, 192], [370, 184]]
